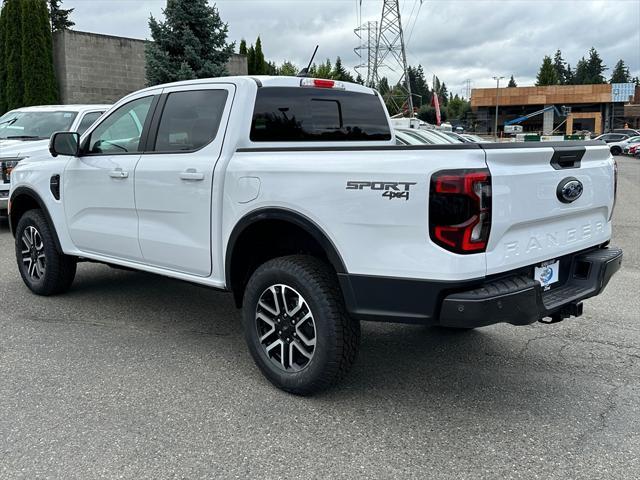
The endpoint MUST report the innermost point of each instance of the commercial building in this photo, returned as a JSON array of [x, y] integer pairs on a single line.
[[594, 108], [93, 68]]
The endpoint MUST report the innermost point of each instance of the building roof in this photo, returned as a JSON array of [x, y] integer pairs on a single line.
[[550, 95]]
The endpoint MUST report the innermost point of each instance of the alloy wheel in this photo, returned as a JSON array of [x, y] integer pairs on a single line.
[[286, 328], [33, 256]]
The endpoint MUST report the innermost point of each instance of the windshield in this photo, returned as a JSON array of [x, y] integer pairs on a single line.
[[34, 125]]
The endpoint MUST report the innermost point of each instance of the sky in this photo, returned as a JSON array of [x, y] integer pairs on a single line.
[[457, 40]]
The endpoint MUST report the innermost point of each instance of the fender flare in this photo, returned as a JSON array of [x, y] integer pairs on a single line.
[[286, 215], [26, 191]]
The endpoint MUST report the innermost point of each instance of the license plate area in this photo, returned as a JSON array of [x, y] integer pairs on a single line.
[[547, 273]]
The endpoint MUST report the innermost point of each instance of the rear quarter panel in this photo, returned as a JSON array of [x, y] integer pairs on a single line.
[[373, 234]]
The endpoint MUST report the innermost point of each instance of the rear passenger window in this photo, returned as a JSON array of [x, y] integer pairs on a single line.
[[190, 120], [289, 114], [87, 121]]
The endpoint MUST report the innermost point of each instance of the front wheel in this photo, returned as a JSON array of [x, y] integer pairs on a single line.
[[616, 150], [42, 267], [296, 326]]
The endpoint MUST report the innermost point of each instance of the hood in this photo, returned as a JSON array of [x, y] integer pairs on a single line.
[[23, 148]]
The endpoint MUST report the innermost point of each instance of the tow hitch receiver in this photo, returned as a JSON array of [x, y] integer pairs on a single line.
[[571, 310]]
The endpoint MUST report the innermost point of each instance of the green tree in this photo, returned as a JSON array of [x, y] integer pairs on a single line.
[[359, 79], [251, 60], [581, 75], [340, 73], [512, 82], [3, 68], [458, 108], [243, 47], [560, 66], [59, 16], [288, 69], [427, 113], [190, 43], [259, 65], [636, 80], [419, 85], [547, 74], [620, 73], [39, 80], [595, 67], [383, 86], [324, 70], [14, 89]]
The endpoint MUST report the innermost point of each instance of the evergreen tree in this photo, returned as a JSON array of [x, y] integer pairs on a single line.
[[570, 76], [512, 82], [40, 86], [324, 70], [547, 74], [620, 73], [190, 43], [14, 89], [243, 47], [3, 68], [427, 113], [581, 75], [59, 16], [560, 66], [359, 79], [383, 86], [288, 69], [259, 65], [251, 60], [340, 73], [595, 67], [636, 80], [419, 85]]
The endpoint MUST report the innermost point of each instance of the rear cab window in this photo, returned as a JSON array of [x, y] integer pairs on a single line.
[[296, 114]]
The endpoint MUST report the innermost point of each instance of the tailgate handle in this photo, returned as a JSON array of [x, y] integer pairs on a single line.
[[567, 157]]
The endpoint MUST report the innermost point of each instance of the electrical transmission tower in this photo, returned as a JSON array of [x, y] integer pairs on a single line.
[[366, 50], [390, 53]]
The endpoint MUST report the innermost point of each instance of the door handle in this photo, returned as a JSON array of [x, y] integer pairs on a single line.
[[118, 173], [191, 174]]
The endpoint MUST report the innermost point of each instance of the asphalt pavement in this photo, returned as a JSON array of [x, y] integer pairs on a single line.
[[135, 376]]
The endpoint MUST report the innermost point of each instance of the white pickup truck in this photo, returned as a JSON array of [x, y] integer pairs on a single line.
[[25, 132], [291, 194]]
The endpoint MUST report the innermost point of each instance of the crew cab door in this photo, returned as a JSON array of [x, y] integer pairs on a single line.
[[532, 220], [98, 188], [174, 180]]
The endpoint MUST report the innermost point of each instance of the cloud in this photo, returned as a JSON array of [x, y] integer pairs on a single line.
[[455, 39]]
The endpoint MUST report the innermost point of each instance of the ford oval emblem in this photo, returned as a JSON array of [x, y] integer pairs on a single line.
[[569, 190]]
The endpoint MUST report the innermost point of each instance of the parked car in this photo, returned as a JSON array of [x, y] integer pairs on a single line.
[[475, 138], [617, 148], [456, 136], [628, 143], [627, 131], [612, 137], [25, 132], [315, 223], [442, 136], [634, 150], [404, 137]]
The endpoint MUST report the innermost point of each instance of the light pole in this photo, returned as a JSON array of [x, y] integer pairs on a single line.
[[495, 126]]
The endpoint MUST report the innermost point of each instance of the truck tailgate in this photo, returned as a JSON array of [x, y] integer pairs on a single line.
[[532, 221]]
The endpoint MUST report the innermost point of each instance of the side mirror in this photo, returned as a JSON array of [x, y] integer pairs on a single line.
[[64, 143]]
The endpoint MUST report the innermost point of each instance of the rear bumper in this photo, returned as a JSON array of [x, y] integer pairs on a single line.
[[513, 297]]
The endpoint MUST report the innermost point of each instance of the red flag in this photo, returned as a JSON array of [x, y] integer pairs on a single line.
[[436, 104]]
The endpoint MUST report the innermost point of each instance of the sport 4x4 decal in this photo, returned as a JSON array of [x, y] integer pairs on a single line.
[[389, 190]]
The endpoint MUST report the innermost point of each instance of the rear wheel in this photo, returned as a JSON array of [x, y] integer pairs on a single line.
[[42, 267], [296, 326]]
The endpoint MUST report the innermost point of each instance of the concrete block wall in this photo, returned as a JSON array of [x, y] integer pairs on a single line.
[[95, 68]]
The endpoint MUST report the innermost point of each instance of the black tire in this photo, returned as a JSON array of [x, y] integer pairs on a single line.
[[616, 151], [337, 336], [55, 271]]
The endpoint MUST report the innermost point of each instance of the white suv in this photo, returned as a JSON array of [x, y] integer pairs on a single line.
[[25, 132]]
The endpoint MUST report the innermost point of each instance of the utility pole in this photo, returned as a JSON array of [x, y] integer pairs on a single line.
[[495, 128], [390, 50]]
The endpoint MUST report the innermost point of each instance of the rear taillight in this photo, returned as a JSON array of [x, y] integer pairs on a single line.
[[460, 210]]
